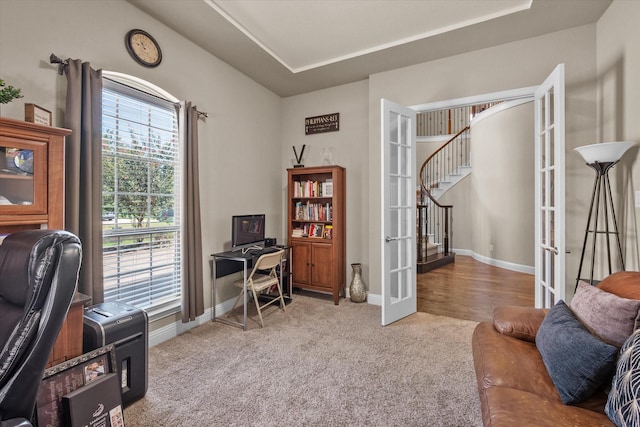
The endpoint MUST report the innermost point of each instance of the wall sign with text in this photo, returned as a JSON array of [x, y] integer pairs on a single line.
[[321, 124]]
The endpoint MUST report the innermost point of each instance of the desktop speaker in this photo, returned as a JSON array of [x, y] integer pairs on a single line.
[[269, 241]]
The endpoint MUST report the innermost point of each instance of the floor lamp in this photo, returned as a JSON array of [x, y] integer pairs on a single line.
[[601, 158]]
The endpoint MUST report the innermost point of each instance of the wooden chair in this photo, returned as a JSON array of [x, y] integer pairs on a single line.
[[258, 282]]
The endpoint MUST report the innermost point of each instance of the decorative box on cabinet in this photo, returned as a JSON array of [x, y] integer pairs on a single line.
[[316, 201], [31, 200]]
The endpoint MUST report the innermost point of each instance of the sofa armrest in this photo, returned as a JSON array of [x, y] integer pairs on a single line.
[[518, 322]]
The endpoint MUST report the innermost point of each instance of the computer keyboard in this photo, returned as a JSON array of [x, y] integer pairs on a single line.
[[269, 250], [259, 250]]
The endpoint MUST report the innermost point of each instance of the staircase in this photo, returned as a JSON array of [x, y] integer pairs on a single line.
[[440, 172]]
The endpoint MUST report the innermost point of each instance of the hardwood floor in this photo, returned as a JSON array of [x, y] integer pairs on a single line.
[[470, 290]]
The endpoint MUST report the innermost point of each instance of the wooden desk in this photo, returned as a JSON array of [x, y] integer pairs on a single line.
[[69, 342]]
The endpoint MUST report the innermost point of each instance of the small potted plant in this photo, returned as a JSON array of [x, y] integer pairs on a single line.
[[8, 93]]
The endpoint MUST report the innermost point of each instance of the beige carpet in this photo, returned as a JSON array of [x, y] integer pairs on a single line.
[[317, 364]]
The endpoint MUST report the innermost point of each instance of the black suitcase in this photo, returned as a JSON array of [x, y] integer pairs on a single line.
[[126, 327]]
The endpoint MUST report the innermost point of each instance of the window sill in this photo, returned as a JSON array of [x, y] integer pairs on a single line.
[[157, 313]]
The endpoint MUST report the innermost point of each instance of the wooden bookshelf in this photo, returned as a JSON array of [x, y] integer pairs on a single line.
[[316, 228]]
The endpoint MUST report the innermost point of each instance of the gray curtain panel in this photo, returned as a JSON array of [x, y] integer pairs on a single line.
[[83, 171], [192, 289]]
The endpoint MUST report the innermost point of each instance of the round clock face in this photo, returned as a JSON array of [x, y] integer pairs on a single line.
[[143, 48]]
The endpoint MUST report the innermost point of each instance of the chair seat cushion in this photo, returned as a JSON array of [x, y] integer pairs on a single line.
[[258, 282]]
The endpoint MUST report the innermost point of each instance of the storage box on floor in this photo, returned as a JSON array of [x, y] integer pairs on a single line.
[[126, 327]]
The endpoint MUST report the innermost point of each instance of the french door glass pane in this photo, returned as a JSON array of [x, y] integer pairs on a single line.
[[394, 285]]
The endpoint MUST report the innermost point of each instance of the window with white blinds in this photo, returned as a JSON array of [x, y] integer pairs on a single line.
[[140, 198]]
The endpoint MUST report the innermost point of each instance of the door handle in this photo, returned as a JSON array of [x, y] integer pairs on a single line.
[[390, 239]]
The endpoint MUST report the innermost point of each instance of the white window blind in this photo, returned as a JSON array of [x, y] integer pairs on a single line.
[[141, 198]]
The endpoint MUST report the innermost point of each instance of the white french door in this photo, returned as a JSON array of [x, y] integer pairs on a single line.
[[398, 211], [549, 191]]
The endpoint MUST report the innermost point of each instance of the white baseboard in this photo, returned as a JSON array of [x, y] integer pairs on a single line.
[[374, 299], [496, 262], [174, 329]]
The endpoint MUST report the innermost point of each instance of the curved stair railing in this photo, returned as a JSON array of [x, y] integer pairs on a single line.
[[435, 220]]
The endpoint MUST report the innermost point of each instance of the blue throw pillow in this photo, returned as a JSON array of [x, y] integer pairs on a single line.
[[577, 362], [623, 404]]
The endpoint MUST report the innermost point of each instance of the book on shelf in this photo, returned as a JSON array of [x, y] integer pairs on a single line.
[[327, 188], [316, 230], [313, 188], [313, 211], [328, 232], [299, 211]]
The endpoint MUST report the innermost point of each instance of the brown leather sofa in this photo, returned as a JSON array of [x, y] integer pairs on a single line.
[[514, 386]]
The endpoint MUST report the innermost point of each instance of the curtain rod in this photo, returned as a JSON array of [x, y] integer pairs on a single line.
[[55, 59]]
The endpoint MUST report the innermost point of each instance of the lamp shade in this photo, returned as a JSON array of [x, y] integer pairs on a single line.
[[604, 152]]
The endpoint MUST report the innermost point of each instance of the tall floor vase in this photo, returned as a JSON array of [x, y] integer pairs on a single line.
[[357, 288]]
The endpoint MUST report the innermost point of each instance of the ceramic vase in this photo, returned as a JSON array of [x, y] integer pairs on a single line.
[[357, 289], [327, 156]]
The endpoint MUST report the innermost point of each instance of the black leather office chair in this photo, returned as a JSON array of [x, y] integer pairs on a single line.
[[38, 279]]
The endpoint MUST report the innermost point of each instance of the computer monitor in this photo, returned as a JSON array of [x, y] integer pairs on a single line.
[[247, 229]]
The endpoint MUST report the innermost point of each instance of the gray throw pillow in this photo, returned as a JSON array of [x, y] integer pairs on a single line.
[[608, 316], [577, 362], [624, 399]]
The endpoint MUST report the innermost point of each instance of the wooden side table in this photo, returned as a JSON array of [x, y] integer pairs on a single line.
[[69, 342]]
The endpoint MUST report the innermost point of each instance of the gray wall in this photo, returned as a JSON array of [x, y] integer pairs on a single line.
[[509, 66], [618, 116], [250, 128], [502, 216], [240, 142], [350, 149], [493, 206]]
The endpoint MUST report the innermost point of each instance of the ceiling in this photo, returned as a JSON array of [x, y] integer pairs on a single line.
[[298, 46]]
